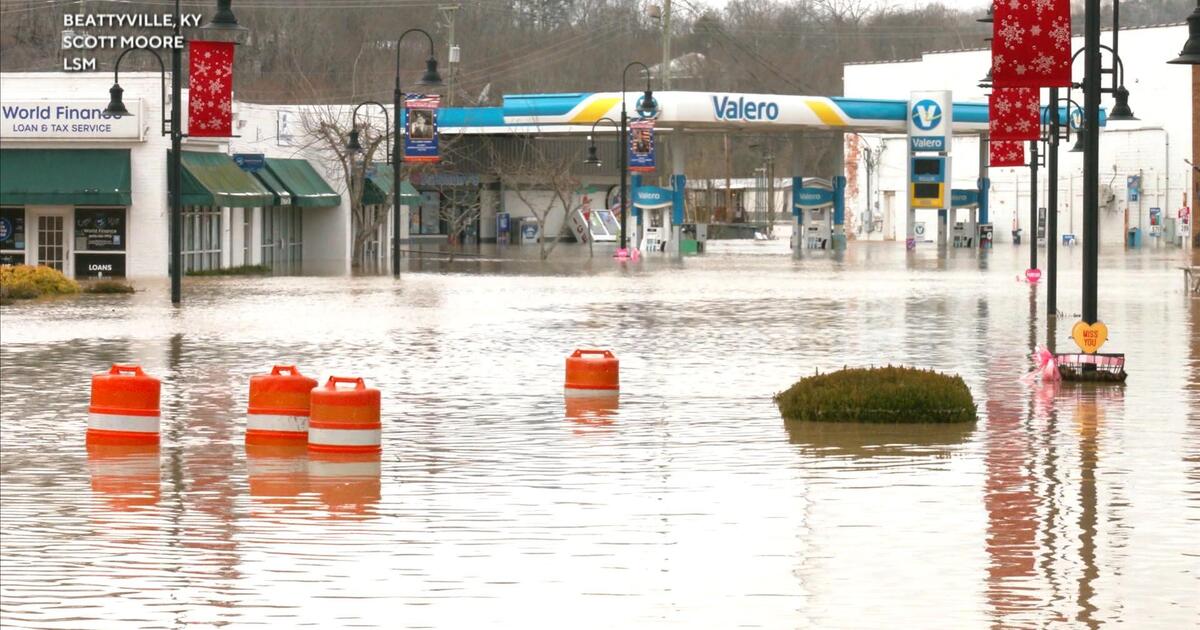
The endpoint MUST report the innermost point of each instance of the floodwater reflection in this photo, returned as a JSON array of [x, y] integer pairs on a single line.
[[497, 503]]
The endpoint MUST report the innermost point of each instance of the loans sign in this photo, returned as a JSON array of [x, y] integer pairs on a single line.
[[71, 120]]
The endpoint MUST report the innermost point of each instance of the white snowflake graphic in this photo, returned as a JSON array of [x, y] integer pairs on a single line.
[[1011, 33], [1060, 33]]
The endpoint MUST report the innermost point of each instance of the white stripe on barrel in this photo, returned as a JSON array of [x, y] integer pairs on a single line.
[[130, 424], [345, 437], [276, 422]]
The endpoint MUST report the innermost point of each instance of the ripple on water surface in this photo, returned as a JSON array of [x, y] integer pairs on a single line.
[[689, 503]]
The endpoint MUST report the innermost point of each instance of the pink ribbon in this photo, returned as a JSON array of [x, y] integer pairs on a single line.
[[1045, 365]]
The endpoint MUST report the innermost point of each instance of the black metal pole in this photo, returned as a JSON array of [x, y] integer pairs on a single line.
[[1091, 157], [623, 165], [397, 162], [1033, 201], [1052, 208], [175, 221]]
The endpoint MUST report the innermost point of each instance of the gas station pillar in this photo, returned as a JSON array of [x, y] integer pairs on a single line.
[[678, 190], [797, 184]]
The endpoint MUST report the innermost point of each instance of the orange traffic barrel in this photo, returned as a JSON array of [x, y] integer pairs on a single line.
[[127, 475], [346, 482], [278, 409], [344, 420], [592, 373], [124, 408]]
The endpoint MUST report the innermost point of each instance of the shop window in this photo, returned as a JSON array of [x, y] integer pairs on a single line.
[[12, 236], [282, 246], [201, 238], [100, 241]]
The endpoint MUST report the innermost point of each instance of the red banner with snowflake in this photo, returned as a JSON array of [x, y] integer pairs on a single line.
[[1031, 43], [210, 89], [1006, 153], [1014, 114]]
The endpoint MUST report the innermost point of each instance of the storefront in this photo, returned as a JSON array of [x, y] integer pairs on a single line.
[[448, 208], [296, 188], [66, 209], [216, 196]]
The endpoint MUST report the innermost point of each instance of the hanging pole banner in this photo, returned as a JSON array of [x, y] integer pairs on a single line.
[[1031, 43], [210, 89], [1014, 114], [1006, 153], [641, 146], [421, 128]]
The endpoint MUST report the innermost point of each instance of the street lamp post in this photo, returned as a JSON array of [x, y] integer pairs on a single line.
[[1033, 200], [223, 22], [431, 78], [645, 109], [592, 158]]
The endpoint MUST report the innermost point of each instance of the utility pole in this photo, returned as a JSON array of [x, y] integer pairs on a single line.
[[448, 13], [665, 69]]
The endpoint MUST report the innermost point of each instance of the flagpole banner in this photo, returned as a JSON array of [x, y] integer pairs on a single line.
[[421, 128], [1006, 153], [1014, 114], [1031, 43], [210, 89], [641, 146]]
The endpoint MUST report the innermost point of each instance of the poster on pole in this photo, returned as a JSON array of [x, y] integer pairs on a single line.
[[210, 89], [420, 128], [641, 146]]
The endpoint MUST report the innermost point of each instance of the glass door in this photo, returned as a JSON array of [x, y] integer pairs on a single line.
[[52, 241]]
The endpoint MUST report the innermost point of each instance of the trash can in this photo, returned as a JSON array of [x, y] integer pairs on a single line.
[[1016, 234], [1134, 238], [529, 231]]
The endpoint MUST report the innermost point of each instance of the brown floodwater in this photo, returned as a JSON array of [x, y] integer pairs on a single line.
[[691, 504]]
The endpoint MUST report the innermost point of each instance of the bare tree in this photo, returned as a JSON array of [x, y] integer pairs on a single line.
[[326, 132]]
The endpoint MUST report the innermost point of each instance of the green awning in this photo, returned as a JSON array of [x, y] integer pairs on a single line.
[[308, 189], [268, 179], [213, 179], [67, 177], [378, 185]]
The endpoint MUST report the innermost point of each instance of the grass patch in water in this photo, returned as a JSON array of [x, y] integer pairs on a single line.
[[878, 394], [26, 282], [107, 286], [241, 270]]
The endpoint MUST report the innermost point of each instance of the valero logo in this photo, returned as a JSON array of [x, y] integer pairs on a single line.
[[926, 114]]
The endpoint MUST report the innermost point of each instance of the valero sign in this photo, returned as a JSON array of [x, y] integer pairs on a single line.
[[812, 198], [651, 197], [741, 109], [929, 118]]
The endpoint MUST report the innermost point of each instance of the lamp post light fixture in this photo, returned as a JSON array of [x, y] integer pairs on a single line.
[[646, 108], [593, 159], [1190, 55], [1120, 110], [222, 26], [430, 79]]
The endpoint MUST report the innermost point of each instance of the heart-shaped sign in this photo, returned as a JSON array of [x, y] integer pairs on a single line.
[[1089, 337]]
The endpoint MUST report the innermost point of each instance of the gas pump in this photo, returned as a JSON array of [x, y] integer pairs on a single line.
[[964, 231], [813, 203], [654, 205]]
